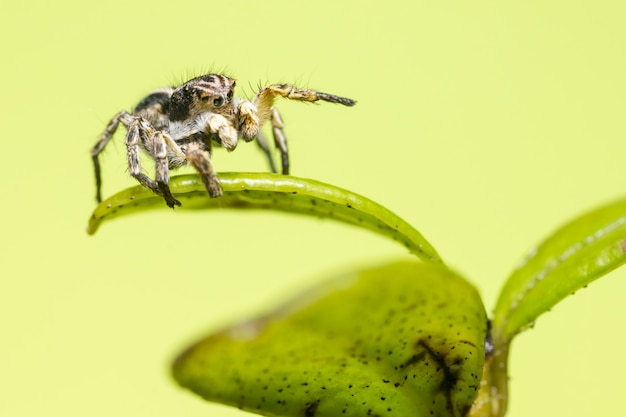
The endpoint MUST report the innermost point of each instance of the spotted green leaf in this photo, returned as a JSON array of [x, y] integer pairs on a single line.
[[405, 339], [275, 192], [575, 255]]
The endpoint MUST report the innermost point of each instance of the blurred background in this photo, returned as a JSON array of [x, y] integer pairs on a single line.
[[485, 125]]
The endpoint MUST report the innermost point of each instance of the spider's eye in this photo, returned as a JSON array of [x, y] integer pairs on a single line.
[[229, 95], [218, 101], [205, 99]]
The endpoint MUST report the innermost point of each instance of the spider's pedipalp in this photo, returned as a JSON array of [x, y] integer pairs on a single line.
[[223, 131], [247, 119]]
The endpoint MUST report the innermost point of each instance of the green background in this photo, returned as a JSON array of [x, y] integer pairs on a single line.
[[484, 124]]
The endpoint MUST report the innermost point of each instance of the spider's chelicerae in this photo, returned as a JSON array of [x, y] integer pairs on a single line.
[[178, 125]]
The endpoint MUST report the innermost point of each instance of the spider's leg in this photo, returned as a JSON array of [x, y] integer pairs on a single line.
[[261, 140], [134, 164], [200, 159], [162, 176], [105, 137], [264, 103], [264, 99], [280, 139]]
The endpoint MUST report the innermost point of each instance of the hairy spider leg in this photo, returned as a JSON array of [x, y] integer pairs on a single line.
[[162, 172], [134, 163], [105, 137], [264, 102], [261, 140], [157, 142], [280, 140], [200, 159]]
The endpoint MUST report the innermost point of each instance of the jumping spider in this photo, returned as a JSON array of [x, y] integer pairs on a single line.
[[178, 125]]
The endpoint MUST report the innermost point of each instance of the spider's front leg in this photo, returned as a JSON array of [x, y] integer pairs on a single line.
[[279, 140], [263, 103], [158, 149], [200, 159], [264, 100], [219, 129]]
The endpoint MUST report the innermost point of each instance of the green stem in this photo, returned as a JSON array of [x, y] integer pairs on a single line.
[[492, 399]]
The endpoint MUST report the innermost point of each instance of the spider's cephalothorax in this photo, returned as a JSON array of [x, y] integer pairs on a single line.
[[177, 126]]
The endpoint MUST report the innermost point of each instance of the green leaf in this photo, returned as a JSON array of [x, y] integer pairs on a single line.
[[575, 255], [405, 339], [276, 192]]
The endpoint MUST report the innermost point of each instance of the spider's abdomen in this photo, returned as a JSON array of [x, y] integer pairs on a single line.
[[155, 108]]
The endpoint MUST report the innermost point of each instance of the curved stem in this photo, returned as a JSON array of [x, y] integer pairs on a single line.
[[275, 192]]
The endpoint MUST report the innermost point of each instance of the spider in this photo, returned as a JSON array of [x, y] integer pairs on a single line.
[[177, 126]]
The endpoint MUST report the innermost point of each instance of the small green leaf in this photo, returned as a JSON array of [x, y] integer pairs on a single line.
[[405, 339], [575, 255], [276, 192]]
